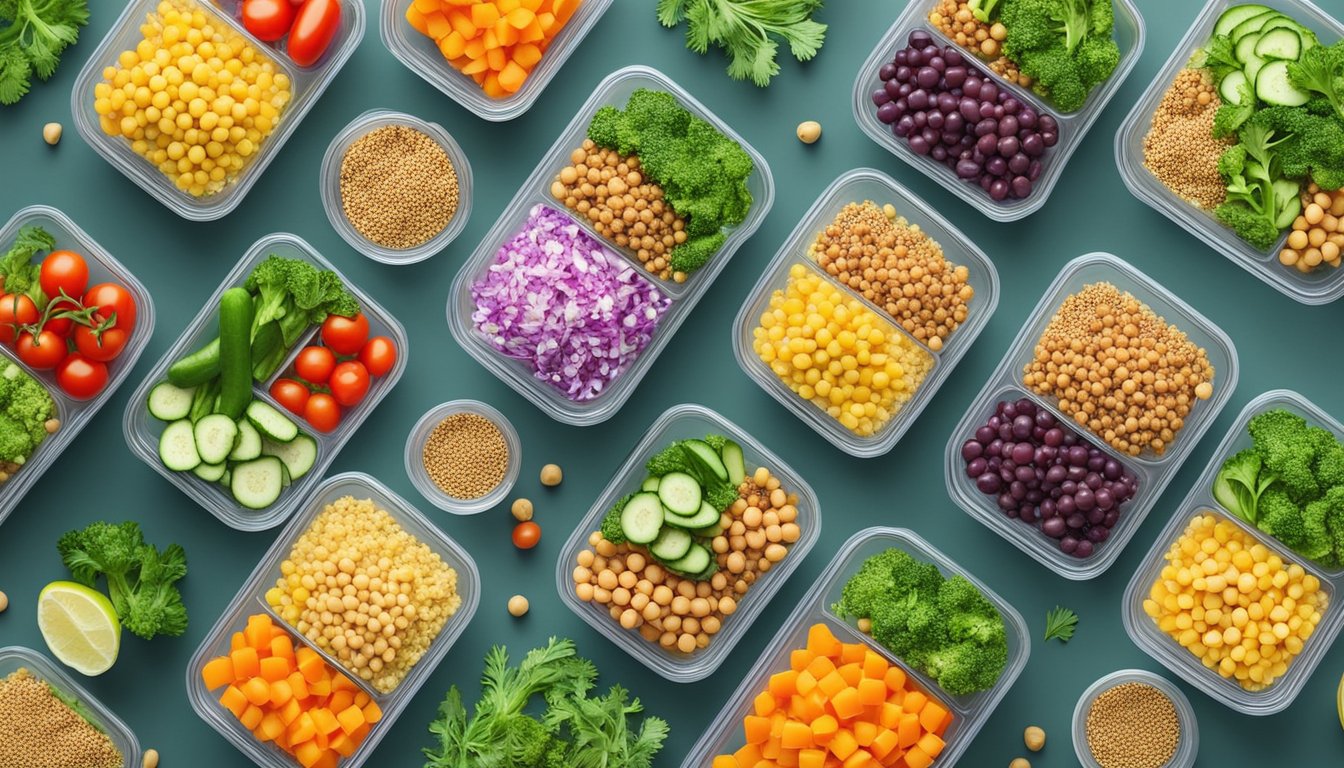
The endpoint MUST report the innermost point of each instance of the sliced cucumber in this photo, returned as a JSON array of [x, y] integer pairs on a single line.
[[696, 560], [642, 518], [671, 545], [215, 436], [1252, 25], [1279, 44], [258, 483], [703, 518], [177, 447], [1245, 49], [298, 455], [708, 532], [706, 458], [170, 403], [285, 478], [680, 493], [226, 477], [650, 484], [1281, 22], [211, 473], [1272, 86], [1237, 14], [271, 422], [1253, 66], [248, 446], [1230, 89], [735, 463]]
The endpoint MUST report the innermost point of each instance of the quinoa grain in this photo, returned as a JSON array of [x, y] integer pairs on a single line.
[[1180, 149], [466, 456], [38, 729], [398, 186], [1133, 725]]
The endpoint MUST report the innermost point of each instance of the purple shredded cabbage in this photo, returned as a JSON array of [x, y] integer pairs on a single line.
[[560, 301]]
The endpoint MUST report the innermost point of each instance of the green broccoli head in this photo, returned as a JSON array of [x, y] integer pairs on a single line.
[[1313, 145], [968, 613], [603, 129], [1097, 59], [1248, 224], [965, 668], [672, 458], [1064, 45], [1232, 162], [15, 443], [1329, 466], [1030, 25], [721, 496], [1100, 17], [717, 442], [1281, 517], [27, 406], [1334, 521], [1316, 542], [1288, 449], [696, 252]]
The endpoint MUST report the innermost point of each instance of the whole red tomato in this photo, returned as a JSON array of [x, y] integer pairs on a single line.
[[109, 298], [80, 377], [322, 412], [15, 309], [349, 382], [345, 335], [269, 20], [63, 272], [379, 355], [100, 347], [291, 395], [41, 352], [526, 535], [314, 364], [315, 26]]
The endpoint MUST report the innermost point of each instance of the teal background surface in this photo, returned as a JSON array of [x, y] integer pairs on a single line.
[[1281, 344]]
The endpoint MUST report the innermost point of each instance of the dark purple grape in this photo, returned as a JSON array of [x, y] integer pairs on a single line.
[[904, 126], [919, 145], [1008, 127], [903, 74], [989, 92], [1019, 163], [1027, 117], [937, 62], [986, 127], [1048, 123], [905, 90], [1076, 521], [939, 152], [1049, 138], [1022, 424], [901, 58], [972, 87], [927, 77], [1068, 544], [954, 76], [893, 88], [888, 112], [987, 111], [947, 103], [997, 166], [1011, 105], [935, 119], [1033, 145], [918, 99], [1083, 550], [1034, 170], [1008, 145], [969, 109], [1055, 474], [953, 57], [1054, 527], [988, 483], [887, 71], [880, 97], [988, 145], [1021, 186], [972, 449], [1112, 470], [967, 169], [1098, 533]]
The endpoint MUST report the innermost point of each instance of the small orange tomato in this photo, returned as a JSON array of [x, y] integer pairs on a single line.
[[526, 535]]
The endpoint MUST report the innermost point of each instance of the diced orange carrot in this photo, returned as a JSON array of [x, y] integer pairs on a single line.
[[508, 5], [320, 688], [496, 59], [283, 647], [308, 753], [298, 685], [874, 666], [796, 735], [884, 743], [246, 663], [931, 716], [853, 653], [324, 720], [799, 659], [273, 668], [302, 729], [860, 759], [281, 692], [822, 642], [361, 699], [770, 750], [478, 63], [864, 732], [783, 684], [251, 717], [416, 18], [505, 33], [511, 77], [764, 704], [824, 728], [932, 744], [788, 758], [820, 667], [777, 721], [312, 666], [234, 700], [895, 678], [843, 744], [847, 704], [805, 682], [872, 692], [463, 24], [917, 758], [907, 731], [290, 712], [425, 6], [328, 759], [236, 641], [547, 20], [727, 761], [342, 744], [812, 758], [258, 631], [889, 715], [748, 755], [350, 718], [437, 26], [452, 45], [484, 14], [372, 713], [218, 672], [852, 672], [914, 701], [271, 725], [520, 18], [257, 691], [757, 729], [832, 683]]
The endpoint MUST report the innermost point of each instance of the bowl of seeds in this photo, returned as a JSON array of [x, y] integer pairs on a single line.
[[463, 456], [396, 187], [1135, 719]]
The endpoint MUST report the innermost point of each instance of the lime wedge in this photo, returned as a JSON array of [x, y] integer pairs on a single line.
[[80, 626], [1339, 701]]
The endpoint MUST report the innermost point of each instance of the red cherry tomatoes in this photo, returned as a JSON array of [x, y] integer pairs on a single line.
[[345, 335], [526, 535], [315, 26], [42, 352], [110, 298], [269, 20], [291, 395], [64, 272], [349, 383], [15, 309], [379, 355], [314, 364], [80, 377], [98, 347], [322, 412]]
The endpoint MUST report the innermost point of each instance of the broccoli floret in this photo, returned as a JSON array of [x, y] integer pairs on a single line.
[[721, 496], [717, 442], [696, 252], [1316, 542], [1320, 70], [602, 130], [967, 667], [1287, 448], [15, 444], [25, 408], [1248, 224], [883, 578], [611, 523], [1281, 518], [1230, 117], [1329, 466], [969, 614], [1313, 145], [1064, 45], [139, 577], [1334, 523], [670, 459]]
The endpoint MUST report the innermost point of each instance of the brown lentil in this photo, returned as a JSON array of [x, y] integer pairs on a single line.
[[1317, 236], [680, 613], [1133, 725], [898, 267], [398, 186], [985, 41], [1119, 369], [611, 192], [38, 729], [1180, 149], [365, 590], [466, 455]]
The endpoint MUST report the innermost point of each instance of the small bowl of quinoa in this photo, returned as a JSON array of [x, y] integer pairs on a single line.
[[1135, 719], [396, 187], [463, 456]]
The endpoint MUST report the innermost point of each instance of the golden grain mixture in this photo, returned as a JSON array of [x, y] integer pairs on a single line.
[[1317, 235], [684, 614], [954, 19], [466, 455], [898, 267], [365, 590], [622, 205], [1180, 149], [1133, 725], [399, 188], [38, 730], [1119, 369]]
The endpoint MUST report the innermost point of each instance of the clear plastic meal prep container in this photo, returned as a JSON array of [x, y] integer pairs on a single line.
[[724, 735], [1154, 472], [856, 186], [615, 90], [682, 422], [415, 462], [1073, 126], [306, 85], [1143, 630], [330, 186], [421, 55], [251, 600], [73, 414], [1186, 749], [142, 429], [1321, 286]]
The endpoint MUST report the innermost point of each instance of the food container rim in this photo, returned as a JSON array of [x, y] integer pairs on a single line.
[[1186, 749], [419, 435]]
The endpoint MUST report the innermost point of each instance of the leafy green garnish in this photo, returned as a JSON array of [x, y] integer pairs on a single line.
[[1060, 624], [33, 34], [140, 578], [743, 29]]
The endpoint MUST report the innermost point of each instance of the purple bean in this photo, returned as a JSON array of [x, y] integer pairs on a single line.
[[988, 145], [967, 169]]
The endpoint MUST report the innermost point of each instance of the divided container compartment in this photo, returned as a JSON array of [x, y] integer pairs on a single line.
[[143, 430], [615, 91], [1321, 286], [306, 86], [856, 186], [16, 657], [1154, 472], [415, 465], [972, 711], [1156, 643], [1186, 749], [421, 55], [74, 414], [330, 186], [681, 422], [251, 600], [1073, 126]]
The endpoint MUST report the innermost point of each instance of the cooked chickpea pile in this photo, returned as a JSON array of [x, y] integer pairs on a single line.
[[365, 590], [834, 351], [1119, 369], [624, 207], [898, 267], [1233, 603], [194, 97], [1179, 148], [954, 19], [1317, 236], [682, 613]]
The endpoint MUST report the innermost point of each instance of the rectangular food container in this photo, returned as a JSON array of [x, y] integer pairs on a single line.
[[1144, 632], [972, 710], [16, 657], [142, 429], [422, 56], [1073, 127], [251, 600], [1154, 472], [857, 186], [615, 90], [74, 414], [306, 85], [681, 422], [1321, 286]]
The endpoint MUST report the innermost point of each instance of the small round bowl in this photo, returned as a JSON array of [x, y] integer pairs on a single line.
[[1186, 749], [330, 184], [415, 464]]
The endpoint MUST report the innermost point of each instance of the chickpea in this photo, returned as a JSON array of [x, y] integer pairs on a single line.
[[1019, 762], [4, 602], [809, 131], [151, 759], [522, 510], [51, 133], [518, 606], [551, 475], [1034, 738]]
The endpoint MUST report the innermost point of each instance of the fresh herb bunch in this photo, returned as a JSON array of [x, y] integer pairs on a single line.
[[1060, 624], [743, 29], [139, 577], [18, 273], [33, 34]]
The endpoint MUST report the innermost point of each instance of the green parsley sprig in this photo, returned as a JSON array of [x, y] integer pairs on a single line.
[[1060, 624], [744, 29], [33, 34]]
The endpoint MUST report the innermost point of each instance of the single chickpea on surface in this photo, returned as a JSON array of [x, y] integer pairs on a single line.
[[1034, 738], [551, 475], [151, 759], [809, 131], [522, 510], [4, 602], [1019, 762], [518, 606], [51, 133]]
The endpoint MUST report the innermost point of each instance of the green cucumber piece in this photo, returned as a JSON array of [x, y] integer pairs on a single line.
[[258, 483], [642, 518], [704, 517], [650, 484], [177, 447], [169, 402], [271, 422], [248, 446], [298, 455], [671, 545], [706, 459], [1252, 25], [1272, 86], [196, 368], [1237, 14], [1229, 89], [1280, 44], [210, 473], [235, 353], [215, 437], [734, 462], [697, 560], [680, 493]]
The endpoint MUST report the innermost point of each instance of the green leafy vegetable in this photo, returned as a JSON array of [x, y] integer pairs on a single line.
[[1240, 484], [1320, 69], [17, 267], [33, 34], [743, 29], [139, 577], [1220, 57], [599, 732], [1065, 46], [1261, 200], [1060, 624], [1230, 117]]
